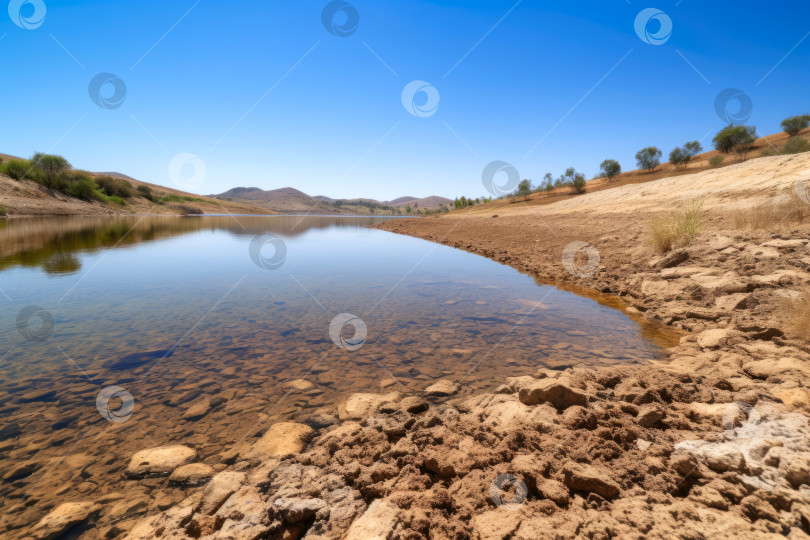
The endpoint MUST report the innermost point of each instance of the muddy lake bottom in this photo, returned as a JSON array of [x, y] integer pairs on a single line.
[[114, 329]]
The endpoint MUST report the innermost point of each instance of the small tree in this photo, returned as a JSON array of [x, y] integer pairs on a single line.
[[716, 161], [649, 158], [578, 184], [693, 148], [51, 167], [524, 189], [793, 125], [610, 168], [736, 139], [681, 156]]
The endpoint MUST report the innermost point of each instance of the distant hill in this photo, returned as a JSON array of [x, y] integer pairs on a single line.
[[292, 201]]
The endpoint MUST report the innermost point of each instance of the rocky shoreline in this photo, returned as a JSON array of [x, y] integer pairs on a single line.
[[712, 441]]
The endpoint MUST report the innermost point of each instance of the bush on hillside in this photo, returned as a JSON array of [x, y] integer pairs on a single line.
[[3, 211], [796, 145], [145, 192], [649, 158], [115, 187], [610, 168], [82, 187], [16, 169], [716, 161], [793, 125], [738, 139], [52, 169]]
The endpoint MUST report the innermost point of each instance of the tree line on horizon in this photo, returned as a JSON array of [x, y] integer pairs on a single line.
[[733, 139]]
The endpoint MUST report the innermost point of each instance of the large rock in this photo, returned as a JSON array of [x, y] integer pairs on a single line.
[[193, 474], [360, 405], [443, 387], [159, 461], [589, 479], [221, 486], [296, 509], [649, 415], [282, 439], [553, 391], [711, 339], [376, 523], [63, 517]]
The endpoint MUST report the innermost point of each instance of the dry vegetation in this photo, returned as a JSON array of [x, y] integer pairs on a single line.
[[676, 230], [774, 216]]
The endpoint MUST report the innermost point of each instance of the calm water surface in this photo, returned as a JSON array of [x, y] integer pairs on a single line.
[[177, 311]]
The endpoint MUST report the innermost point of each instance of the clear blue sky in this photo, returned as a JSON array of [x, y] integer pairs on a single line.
[[333, 122]]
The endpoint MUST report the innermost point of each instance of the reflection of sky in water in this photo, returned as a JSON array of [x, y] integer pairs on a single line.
[[203, 285]]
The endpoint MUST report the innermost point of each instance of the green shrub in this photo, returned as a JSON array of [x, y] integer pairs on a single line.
[[796, 145], [610, 168], [17, 169], [3, 211], [145, 192], [793, 125], [51, 168], [180, 198], [115, 187], [117, 200], [735, 139], [578, 184], [649, 158], [716, 161], [82, 188]]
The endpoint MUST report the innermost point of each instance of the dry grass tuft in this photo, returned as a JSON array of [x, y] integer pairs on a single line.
[[677, 230], [774, 216], [797, 311]]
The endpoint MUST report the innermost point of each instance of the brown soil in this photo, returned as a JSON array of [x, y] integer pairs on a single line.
[[712, 442]]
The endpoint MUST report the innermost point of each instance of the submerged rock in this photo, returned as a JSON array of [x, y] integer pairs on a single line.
[[192, 474], [443, 387], [282, 439], [159, 461], [63, 517]]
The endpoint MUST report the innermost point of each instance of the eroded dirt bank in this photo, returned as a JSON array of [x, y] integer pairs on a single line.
[[712, 442]]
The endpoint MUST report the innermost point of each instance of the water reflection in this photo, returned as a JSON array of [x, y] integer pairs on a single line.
[[54, 244]]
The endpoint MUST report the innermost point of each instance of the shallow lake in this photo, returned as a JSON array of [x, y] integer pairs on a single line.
[[112, 329]]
